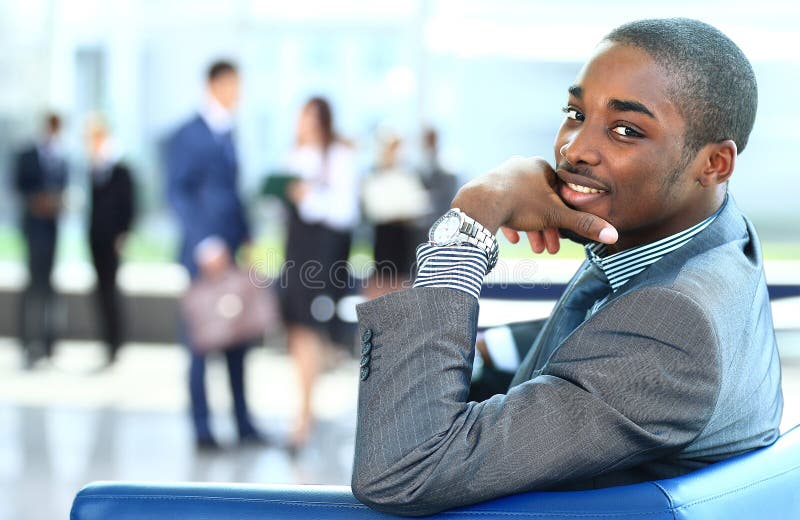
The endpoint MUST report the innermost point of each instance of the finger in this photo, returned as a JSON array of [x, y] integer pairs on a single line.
[[536, 238], [551, 240], [587, 225], [510, 234]]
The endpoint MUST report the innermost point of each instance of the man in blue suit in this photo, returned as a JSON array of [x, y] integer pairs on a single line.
[[40, 180], [202, 189]]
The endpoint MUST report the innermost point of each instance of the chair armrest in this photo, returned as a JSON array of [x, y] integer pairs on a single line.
[[135, 501], [760, 484]]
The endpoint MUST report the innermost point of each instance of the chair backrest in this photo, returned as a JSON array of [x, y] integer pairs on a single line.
[[761, 484]]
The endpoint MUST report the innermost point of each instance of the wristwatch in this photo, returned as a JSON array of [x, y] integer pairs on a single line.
[[456, 227]]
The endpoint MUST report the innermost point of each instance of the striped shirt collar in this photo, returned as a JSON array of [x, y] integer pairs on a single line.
[[620, 267]]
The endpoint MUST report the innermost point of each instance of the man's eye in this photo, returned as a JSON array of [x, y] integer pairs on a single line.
[[573, 113], [626, 131]]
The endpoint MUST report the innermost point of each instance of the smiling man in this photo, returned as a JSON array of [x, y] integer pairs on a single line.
[[659, 358]]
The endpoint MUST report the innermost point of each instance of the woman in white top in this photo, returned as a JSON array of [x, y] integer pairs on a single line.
[[323, 212]]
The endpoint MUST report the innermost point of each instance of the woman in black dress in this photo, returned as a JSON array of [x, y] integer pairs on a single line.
[[323, 212]]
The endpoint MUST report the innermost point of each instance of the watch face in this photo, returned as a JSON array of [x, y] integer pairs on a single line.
[[446, 230]]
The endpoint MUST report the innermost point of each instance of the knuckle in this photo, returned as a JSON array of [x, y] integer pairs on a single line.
[[585, 223], [550, 217]]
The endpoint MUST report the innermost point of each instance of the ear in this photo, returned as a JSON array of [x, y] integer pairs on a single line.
[[718, 164]]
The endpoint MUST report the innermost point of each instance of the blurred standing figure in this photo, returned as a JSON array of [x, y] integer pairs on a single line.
[[112, 209], [41, 176], [323, 212], [202, 188], [394, 201], [440, 183]]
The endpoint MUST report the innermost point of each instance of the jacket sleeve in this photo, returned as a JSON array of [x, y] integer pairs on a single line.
[[623, 389], [244, 221], [183, 183], [25, 181], [127, 199]]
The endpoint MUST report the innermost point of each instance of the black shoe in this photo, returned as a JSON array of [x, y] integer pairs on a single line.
[[293, 448], [32, 359], [254, 438], [111, 355], [207, 445]]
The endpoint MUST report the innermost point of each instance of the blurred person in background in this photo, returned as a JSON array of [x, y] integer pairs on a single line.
[[440, 183], [40, 180], [202, 188], [112, 210], [394, 200], [323, 211]]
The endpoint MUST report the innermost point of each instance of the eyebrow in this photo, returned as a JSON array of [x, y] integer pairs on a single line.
[[576, 91], [620, 105]]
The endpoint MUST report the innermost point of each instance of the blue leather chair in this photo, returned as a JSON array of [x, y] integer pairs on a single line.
[[761, 484]]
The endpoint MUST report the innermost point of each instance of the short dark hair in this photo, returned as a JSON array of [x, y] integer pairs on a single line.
[[714, 85], [220, 68], [52, 122]]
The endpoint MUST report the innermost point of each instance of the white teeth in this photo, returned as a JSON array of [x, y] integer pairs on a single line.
[[584, 189]]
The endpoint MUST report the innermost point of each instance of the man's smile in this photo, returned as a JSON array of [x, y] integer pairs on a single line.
[[584, 189], [577, 190]]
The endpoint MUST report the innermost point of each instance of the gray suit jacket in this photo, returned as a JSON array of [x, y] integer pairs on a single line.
[[678, 369]]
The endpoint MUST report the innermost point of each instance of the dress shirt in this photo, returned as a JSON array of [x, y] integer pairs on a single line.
[[333, 198], [620, 267], [218, 118], [103, 162], [51, 158]]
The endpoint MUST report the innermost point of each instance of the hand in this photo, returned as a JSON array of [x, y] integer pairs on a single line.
[[213, 258], [119, 242], [548, 239], [296, 191], [520, 195], [45, 205]]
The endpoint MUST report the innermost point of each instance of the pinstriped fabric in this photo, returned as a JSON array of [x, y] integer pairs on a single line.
[[679, 368], [460, 267]]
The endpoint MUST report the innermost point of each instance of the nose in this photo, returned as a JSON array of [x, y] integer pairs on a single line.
[[580, 148]]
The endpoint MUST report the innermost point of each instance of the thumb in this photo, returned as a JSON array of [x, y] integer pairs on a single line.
[[589, 226]]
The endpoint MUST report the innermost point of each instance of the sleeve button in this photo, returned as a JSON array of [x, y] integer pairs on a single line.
[[366, 336]]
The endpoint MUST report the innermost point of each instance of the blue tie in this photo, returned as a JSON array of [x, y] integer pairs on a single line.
[[572, 309]]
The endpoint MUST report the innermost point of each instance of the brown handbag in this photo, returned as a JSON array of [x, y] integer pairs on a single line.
[[228, 310]]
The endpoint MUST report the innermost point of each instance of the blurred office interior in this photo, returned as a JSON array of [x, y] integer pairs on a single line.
[[489, 75]]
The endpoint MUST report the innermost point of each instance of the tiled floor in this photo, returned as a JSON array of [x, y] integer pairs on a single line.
[[65, 424]]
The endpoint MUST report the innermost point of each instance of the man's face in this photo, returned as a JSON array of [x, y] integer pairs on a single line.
[[95, 138], [225, 89], [308, 127], [619, 152]]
